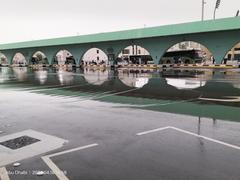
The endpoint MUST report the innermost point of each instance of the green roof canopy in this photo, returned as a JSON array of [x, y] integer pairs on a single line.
[[226, 24]]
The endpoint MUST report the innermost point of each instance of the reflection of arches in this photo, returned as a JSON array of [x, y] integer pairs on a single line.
[[19, 60], [41, 75], [3, 60], [65, 77], [4, 74], [20, 73], [187, 52], [185, 83], [39, 58], [96, 77], [232, 57], [64, 57], [134, 54], [133, 79], [94, 56]]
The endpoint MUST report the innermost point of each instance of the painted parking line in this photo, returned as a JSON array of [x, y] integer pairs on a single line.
[[4, 174], [57, 87], [113, 94], [207, 138], [152, 131], [104, 95], [189, 133], [55, 169]]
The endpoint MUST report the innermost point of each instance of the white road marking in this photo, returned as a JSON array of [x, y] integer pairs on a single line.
[[72, 150], [163, 104], [4, 174], [152, 131], [117, 93], [56, 87], [106, 95], [59, 173], [190, 133], [231, 99], [207, 138]]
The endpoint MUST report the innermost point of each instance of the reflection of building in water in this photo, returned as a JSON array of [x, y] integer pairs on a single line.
[[3, 59], [65, 77], [96, 77], [41, 76], [4, 74], [188, 79], [233, 77], [185, 83], [20, 73], [133, 79]]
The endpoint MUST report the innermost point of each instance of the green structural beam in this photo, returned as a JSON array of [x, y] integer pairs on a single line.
[[227, 24]]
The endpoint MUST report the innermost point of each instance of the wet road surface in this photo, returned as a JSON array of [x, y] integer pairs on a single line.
[[116, 123]]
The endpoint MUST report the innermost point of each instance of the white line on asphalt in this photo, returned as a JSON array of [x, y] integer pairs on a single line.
[[59, 173], [207, 138], [117, 93], [152, 131], [4, 174], [72, 150], [190, 133]]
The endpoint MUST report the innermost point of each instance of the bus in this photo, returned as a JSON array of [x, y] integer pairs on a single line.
[[183, 57]]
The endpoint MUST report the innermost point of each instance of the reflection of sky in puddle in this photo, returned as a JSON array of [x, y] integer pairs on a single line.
[[96, 77], [41, 76], [65, 77], [4, 75], [134, 80], [185, 83], [173, 90], [20, 73]]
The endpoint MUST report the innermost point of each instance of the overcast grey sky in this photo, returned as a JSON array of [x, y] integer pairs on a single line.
[[23, 20]]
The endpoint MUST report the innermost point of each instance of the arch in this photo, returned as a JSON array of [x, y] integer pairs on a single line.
[[39, 58], [232, 56], [3, 60], [187, 52], [134, 54], [19, 60], [64, 57], [94, 56]]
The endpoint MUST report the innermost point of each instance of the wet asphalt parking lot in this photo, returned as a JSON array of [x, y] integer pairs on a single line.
[[106, 141]]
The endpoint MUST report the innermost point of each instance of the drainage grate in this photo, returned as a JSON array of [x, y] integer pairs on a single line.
[[19, 142]]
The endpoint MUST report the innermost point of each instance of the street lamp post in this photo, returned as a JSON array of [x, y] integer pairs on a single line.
[[216, 7], [203, 8], [237, 13]]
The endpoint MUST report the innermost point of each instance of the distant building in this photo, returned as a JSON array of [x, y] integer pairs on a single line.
[[132, 50], [190, 45], [234, 53], [62, 56], [95, 55]]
